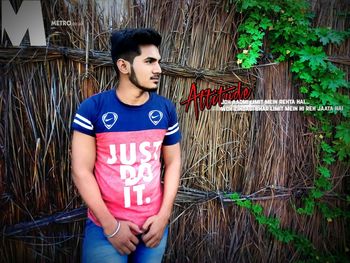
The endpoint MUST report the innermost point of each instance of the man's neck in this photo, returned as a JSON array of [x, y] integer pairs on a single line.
[[131, 95]]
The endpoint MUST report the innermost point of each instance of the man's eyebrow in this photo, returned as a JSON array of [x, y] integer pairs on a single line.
[[153, 59]]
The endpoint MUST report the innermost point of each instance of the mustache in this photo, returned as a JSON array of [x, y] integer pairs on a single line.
[[156, 76]]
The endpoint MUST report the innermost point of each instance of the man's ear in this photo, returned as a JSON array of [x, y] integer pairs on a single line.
[[123, 66]]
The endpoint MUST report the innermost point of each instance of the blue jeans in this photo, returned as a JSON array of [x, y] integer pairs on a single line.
[[97, 248]]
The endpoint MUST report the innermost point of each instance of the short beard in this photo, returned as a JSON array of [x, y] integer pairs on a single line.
[[133, 80]]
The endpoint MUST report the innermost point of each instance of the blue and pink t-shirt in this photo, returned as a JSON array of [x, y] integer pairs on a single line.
[[128, 148]]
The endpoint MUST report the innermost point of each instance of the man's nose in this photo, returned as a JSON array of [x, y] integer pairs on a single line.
[[157, 69]]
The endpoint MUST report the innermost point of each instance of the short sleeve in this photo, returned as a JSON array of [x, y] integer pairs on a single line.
[[83, 119], [173, 134]]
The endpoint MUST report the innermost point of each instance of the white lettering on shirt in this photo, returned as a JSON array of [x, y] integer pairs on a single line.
[[133, 176]]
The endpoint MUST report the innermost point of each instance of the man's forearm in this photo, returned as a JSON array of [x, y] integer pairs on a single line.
[[171, 184], [90, 192]]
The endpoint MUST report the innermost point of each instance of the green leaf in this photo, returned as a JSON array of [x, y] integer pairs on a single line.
[[343, 132], [243, 41], [234, 196], [304, 89], [334, 80], [298, 67], [323, 183], [288, 237], [327, 36], [324, 171], [257, 209], [315, 94], [273, 223], [328, 159], [265, 23], [327, 148], [262, 220], [257, 35], [306, 76], [315, 56], [249, 62], [247, 4], [244, 203], [315, 193], [343, 150], [275, 8], [326, 99], [308, 209]]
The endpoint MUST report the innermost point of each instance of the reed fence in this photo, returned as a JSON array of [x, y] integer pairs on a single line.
[[269, 157]]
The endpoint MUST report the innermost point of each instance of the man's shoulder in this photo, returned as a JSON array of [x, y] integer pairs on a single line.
[[100, 96], [162, 99], [95, 101]]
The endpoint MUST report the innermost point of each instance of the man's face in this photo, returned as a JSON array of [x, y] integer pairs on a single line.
[[145, 69]]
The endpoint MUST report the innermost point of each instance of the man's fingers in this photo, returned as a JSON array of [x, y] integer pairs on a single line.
[[147, 237], [125, 250], [153, 242], [121, 251], [150, 239], [131, 246], [150, 244], [134, 240], [146, 225], [134, 227], [126, 241]]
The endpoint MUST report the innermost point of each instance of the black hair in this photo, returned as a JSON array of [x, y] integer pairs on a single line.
[[126, 43]]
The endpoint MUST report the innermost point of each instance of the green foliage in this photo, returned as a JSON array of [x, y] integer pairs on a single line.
[[328, 36], [285, 28], [313, 56], [309, 205], [301, 243], [273, 226], [281, 31], [342, 142], [330, 213]]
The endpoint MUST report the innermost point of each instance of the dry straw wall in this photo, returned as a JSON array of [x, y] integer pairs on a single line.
[[270, 155]]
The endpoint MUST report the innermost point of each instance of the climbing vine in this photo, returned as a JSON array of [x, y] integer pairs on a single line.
[[302, 244], [281, 30]]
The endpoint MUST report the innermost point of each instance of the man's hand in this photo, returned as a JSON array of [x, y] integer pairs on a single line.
[[154, 230], [125, 240]]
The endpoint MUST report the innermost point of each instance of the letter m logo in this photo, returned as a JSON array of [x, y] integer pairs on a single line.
[[29, 17]]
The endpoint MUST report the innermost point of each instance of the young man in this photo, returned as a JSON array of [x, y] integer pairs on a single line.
[[119, 136]]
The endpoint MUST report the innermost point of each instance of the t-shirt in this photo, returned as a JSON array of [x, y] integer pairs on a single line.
[[128, 148]]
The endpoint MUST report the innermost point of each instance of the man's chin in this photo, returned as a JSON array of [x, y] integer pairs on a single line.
[[152, 89]]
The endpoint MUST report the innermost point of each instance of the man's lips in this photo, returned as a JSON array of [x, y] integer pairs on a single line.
[[155, 79]]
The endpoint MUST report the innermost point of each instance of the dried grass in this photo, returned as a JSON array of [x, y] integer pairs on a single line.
[[222, 151]]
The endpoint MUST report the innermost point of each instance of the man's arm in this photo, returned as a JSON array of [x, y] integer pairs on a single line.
[[83, 162], [155, 225], [172, 162]]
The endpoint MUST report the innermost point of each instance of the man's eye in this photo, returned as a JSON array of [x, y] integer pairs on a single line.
[[148, 61]]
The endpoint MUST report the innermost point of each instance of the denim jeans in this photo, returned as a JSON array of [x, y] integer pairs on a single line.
[[97, 248]]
